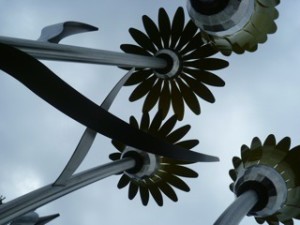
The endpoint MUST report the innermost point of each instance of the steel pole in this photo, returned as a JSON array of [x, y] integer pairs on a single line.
[[31, 201], [238, 209], [68, 53]]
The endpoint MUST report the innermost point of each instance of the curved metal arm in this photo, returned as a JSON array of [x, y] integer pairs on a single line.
[[44, 83]]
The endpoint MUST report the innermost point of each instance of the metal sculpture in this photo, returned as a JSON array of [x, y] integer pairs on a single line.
[[184, 78], [170, 66], [235, 26], [159, 173], [266, 182]]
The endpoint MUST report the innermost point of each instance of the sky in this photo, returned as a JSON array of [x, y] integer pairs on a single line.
[[260, 98]]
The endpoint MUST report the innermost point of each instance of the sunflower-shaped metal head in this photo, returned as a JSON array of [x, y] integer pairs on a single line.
[[240, 26], [159, 174], [187, 73], [273, 171]]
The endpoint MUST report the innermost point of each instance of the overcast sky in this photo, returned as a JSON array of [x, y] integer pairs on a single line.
[[260, 98]]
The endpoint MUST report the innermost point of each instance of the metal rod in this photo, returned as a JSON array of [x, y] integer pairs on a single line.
[[68, 53], [238, 209], [46, 194]]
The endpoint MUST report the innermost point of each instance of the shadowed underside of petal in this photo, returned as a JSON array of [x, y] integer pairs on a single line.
[[164, 26], [189, 97], [205, 77], [200, 89], [165, 99], [139, 76], [142, 39], [177, 26], [188, 144], [153, 96], [168, 191], [134, 49], [152, 31], [178, 134], [177, 101], [142, 89]]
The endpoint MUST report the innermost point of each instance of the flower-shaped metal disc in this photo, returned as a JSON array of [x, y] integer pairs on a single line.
[[167, 172], [261, 24], [188, 72], [285, 162]]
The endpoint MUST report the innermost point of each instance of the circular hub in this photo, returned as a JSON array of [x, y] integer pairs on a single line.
[[148, 163], [268, 184], [173, 61]]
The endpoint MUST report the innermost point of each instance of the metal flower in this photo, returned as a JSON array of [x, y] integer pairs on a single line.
[[285, 163], [260, 24], [166, 171], [188, 72]]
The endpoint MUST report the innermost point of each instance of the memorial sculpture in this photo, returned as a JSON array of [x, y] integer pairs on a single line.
[[171, 65]]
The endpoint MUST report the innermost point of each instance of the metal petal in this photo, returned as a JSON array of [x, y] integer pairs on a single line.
[[178, 134], [167, 127], [168, 191], [156, 194], [284, 144], [153, 96], [188, 144], [132, 191], [188, 33], [164, 26], [180, 171], [124, 181], [142, 89], [177, 26], [288, 222], [144, 193], [200, 89], [260, 220], [236, 161], [256, 143], [152, 31], [205, 77], [292, 158], [189, 97], [165, 99], [139, 76], [194, 43], [143, 40], [176, 182], [232, 174], [115, 156], [133, 122], [202, 52], [145, 122], [207, 64], [134, 49], [156, 123], [270, 140], [118, 145], [177, 101]]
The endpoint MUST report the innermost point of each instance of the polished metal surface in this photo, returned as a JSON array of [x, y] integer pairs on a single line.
[[151, 164], [271, 181], [176, 64], [56, 32], [238, 209], [31, 201], [58, 52], [232, 19]]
